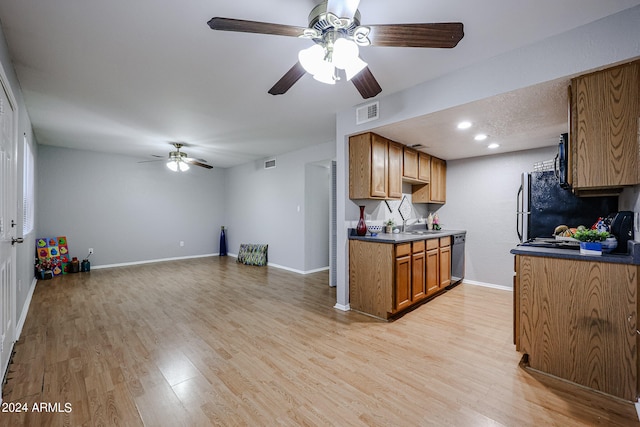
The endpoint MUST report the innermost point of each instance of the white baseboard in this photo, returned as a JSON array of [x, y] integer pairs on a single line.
[[150, 261], [342, 307], [487, 285], [293, 270], [25, 309]]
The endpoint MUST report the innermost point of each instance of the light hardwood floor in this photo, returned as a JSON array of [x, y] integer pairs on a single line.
[[210, 342]]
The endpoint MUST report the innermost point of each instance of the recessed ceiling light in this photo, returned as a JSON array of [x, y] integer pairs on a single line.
[[480, 137], [493, 146], [464, 125]]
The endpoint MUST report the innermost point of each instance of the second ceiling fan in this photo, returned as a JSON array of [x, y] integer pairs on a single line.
[[334, 27]]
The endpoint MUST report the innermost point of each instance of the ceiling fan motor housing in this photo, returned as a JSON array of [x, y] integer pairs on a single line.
[[321, 21]]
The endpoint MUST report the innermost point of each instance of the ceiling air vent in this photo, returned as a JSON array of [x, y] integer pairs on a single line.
[[270, 164], [367, 113]]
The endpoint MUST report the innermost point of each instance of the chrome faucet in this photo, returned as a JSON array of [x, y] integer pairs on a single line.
[[404, 223]]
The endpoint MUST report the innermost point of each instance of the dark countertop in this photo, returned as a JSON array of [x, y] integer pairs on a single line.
[[403, 237], [633, 257]]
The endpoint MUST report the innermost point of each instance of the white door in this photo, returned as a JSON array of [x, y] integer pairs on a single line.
[[8, 226]]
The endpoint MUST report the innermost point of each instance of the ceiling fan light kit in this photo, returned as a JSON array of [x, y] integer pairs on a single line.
[[334, 27]]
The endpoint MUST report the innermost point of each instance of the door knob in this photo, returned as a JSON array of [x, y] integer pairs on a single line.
[[18, 240]]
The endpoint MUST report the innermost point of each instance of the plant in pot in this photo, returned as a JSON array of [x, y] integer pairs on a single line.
[[388, 226], [591, 241]]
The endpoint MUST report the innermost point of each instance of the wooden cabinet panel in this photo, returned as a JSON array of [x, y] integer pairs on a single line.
[[410, 163], [578, 321], [445, 266], [403, 283], [432, 268], [418, 284], [403, 249], [371, 277], [368, 167], [605, 110], [438, 183], [424, 167], [379, 167], [395, 170]]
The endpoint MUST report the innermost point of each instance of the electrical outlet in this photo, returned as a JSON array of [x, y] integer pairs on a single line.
[[90, 251], [181, 243]]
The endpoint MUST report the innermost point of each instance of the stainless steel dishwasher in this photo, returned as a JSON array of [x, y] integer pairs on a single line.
[[457, 258]]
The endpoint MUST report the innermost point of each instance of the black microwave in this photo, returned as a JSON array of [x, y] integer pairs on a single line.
[[561, 161]]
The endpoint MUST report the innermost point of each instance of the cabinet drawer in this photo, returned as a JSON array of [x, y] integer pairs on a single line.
[[432, 244], [403, 249], [445, 241], [418, 246]]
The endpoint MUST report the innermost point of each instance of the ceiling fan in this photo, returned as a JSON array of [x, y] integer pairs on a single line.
[[334, 27], [178, 161]]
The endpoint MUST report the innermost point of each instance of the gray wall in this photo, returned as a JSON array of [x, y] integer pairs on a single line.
[[481, 198], [268, 205], [606, 41], [24, 252], [127, 211]]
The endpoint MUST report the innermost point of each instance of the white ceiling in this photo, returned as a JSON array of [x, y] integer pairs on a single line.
[[128, 77]]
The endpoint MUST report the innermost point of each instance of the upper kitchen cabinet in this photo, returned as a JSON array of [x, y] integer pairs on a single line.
[[394, 154], [378, 167], [605, 138], [438, 187], [436, 190], [374, 167], [416, 166]]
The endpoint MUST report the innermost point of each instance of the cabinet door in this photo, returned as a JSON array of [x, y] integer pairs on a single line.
[[606, 107], [410, 163], [432, 271], [402, 297], [418, 282], [424, 167], [438, 183], [445, 266], [395, 170], [379, 167]]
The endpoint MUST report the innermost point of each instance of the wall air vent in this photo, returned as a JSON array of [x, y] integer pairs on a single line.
[[270, 164], [367, 113]]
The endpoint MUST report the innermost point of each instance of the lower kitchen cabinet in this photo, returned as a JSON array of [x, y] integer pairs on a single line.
[[578, 320], [386, 279], [432, 267], [445, 261], [403, 295], [418, 266]]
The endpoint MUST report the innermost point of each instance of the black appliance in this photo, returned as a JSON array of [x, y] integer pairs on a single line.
[[457, 257], [561, 161], [622, 227], [543, 204]]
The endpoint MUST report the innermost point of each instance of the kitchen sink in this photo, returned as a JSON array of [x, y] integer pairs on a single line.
[[422, 232]]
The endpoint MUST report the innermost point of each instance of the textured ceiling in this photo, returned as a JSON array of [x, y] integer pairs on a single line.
[[130, 77], [527, 118]]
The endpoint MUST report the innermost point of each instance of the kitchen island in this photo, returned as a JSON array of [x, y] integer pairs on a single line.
[[576, 316], [392, 273]]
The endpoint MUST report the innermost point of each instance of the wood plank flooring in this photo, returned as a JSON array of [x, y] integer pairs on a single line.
[[210, 342]]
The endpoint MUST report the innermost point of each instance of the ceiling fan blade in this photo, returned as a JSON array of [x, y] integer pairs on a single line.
[[366, 83], [343, 8], [288, 80], [197, 163], [438, 35], [242, 26], [150, 161]]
